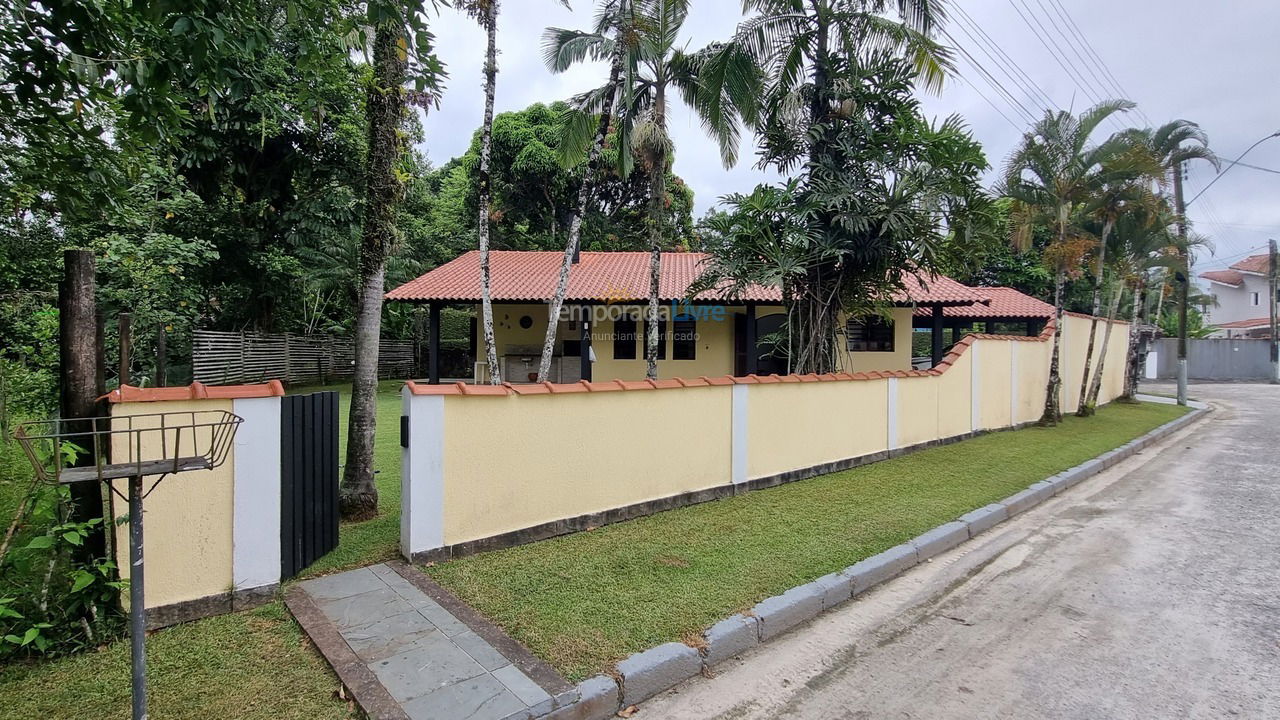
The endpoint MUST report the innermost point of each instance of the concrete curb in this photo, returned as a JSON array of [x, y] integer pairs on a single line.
[[645, 674]]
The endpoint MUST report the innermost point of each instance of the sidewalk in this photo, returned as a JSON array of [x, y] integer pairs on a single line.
[[408, 649]]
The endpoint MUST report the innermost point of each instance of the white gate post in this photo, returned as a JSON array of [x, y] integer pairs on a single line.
[[421, 474]]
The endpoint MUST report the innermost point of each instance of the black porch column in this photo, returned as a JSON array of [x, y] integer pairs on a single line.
[[753, 349], [586, 344], [1032, 330], [433, 343], [955, 334], [937, 335]]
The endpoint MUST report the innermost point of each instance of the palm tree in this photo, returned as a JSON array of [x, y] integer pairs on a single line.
[[1122, 193], [486, 13], [1048, 176], [614, 18], [1146, 243], [797, 42], [654, 66], [385, 107], [1139, 242], [1174, 143]]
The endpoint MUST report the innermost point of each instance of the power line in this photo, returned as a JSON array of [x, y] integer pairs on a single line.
[[1072, 44], [990, 79], [1097, 57], [987, 44], [1012, 124], [1063, 62], [1042, 34], [1252, 167]]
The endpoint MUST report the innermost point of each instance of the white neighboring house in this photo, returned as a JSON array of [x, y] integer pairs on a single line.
[[1241, 294]]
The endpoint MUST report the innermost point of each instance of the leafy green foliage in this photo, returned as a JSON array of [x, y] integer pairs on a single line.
[[872, 206], [534, 196], [50, 602]]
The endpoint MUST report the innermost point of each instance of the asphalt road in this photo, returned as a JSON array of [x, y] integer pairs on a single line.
[[1150, 591]]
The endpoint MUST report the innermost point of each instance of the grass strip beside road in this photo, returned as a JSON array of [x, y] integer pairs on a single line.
[[584, 601]]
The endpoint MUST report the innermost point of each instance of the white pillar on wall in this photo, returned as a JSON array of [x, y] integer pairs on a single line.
[[255, 538], [892, 440], [739, 438], [422, 474], [975, 388]]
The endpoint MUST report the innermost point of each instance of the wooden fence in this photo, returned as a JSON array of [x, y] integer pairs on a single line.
[[221, 358]]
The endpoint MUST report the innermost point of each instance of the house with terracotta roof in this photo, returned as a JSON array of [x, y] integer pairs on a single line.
[[601, 332], [1240, 294]]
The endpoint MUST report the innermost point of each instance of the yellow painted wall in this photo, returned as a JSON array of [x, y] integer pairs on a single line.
[[1117, 355], [899, 359], [188, 517], [799, 425], [918, 409], [1033, 376], [513, 462], [714, 356], [955, 397], [1075, 344], [994, 383]]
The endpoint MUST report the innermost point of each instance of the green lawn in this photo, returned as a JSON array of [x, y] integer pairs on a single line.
[[584, 601], [255, 664]]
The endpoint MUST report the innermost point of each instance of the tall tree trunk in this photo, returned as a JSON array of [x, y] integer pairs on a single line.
[[1084, 410], [1095, 386], [584, 193], [490, 23], [657, 212], [1131, 355], [385, 110], [1052, 410]]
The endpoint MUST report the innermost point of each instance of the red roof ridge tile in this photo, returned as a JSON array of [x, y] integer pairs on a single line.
[[195, 391]]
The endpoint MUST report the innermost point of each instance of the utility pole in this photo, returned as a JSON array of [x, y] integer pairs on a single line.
[[1275, 342], [1184, 282]]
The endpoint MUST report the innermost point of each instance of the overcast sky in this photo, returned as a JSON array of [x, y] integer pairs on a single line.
[[1213, 63]]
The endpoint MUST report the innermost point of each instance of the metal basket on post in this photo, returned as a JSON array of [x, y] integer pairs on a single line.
[[132, 447]]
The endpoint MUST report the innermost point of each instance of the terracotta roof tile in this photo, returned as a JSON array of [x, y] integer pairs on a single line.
[[531, 276], [1233, 278], [1005, 302], [195, 391], [1244, 324], [1253, 264]]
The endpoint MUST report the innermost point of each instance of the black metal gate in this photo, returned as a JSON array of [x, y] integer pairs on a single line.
[[308, 479]]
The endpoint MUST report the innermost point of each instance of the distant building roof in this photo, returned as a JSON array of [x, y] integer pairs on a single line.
[[1245, 324], [1234, 276], [531, 276], [1006, 302], [1253, 264], [1226, 277]]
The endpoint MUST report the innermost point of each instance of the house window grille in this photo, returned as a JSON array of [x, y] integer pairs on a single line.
[[873, 334]]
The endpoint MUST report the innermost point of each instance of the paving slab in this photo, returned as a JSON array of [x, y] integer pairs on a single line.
[[480, 698], [383, 638], [367, 607], [406, 648]]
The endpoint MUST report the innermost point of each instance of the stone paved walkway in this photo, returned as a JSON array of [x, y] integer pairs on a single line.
[[406, 648]]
